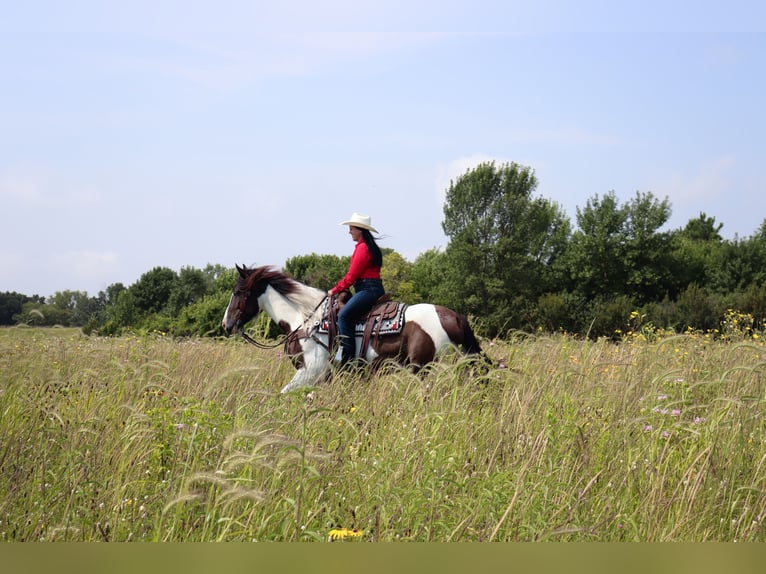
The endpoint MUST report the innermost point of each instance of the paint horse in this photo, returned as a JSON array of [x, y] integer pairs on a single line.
[[300, 311]]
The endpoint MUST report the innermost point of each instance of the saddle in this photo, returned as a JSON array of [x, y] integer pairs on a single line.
[[386, 317]]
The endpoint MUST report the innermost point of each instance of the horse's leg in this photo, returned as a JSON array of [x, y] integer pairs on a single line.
[[315, 366], [419, 346]]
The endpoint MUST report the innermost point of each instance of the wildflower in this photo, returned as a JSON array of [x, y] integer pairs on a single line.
[[343, 533], [648, 428], [676, 412]]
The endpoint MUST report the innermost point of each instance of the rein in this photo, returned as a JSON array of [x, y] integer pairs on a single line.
[[260, 345], [287, 338]]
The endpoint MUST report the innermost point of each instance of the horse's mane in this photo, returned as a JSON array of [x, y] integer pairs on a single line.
[[259, 278], [268, 275]]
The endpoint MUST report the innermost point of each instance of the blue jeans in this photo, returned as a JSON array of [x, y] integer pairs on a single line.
[[366, 292]]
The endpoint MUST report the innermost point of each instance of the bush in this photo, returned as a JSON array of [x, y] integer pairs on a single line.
[[753, 301], [203, 318], [699, 309], [560, 312], [663, 315], [610, 317]]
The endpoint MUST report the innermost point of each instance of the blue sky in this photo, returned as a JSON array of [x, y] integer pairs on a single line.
[[141, 134]]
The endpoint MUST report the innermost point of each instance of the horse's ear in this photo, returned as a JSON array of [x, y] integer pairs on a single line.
[[241, 270]]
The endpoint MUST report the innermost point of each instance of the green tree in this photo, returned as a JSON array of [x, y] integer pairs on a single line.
[[503, 244], [121, 313], [755, 256], [224, 281], [43, 314], [151, 293], [12, 304], [219, 278], [739, 263], [694, 251], [703, 228], [429, 276], [76, 306], [191, 286], [596, 252], [112, 293], [396, 274], [320, 271], [618, 249], [648, 260]]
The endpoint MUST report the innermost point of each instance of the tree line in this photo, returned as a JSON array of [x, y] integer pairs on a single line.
[[514, 262]]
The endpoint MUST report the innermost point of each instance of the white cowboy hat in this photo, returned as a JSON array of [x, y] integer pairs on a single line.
[[359, 220]]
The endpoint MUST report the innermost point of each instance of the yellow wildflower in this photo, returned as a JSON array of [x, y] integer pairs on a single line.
[[343, 533]]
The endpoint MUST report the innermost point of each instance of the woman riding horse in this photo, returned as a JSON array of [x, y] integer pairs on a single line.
[[364, 275]]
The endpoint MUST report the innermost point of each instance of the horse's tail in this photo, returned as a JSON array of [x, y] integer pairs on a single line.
[[460, 333], [470, 343]]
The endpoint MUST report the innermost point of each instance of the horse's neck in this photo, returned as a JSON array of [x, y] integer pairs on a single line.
[[293, 310]]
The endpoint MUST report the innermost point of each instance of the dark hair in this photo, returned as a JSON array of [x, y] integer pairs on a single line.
[[372, 247]]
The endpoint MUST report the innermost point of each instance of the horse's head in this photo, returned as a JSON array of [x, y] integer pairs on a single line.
[[243, 304]]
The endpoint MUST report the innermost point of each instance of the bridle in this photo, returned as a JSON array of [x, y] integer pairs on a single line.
[[241, 307], [297, 333]]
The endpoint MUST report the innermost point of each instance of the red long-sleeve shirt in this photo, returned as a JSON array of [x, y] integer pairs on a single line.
[[359, 268]]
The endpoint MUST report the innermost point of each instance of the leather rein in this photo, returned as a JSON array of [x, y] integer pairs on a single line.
[[294, 334]]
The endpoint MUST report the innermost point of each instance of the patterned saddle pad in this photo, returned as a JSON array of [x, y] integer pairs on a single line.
[[386, 318]]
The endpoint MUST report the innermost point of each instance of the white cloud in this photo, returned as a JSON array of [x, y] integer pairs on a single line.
[[716, 189], [38, 189], [563, 136], [85, 267], [21, 190], [251, 43], [12, 262], [709, 182]]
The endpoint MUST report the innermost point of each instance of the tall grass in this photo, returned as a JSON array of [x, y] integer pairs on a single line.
[[150, 438]]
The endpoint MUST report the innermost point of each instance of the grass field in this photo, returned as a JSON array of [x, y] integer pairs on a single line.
[[156, 439]]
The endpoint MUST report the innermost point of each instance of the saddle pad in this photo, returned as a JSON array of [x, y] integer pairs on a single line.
[[390, 324]]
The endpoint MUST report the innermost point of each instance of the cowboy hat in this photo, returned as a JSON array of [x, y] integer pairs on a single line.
[[359, 220]]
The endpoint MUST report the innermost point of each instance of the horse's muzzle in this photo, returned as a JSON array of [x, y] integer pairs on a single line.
[[232, 328]]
